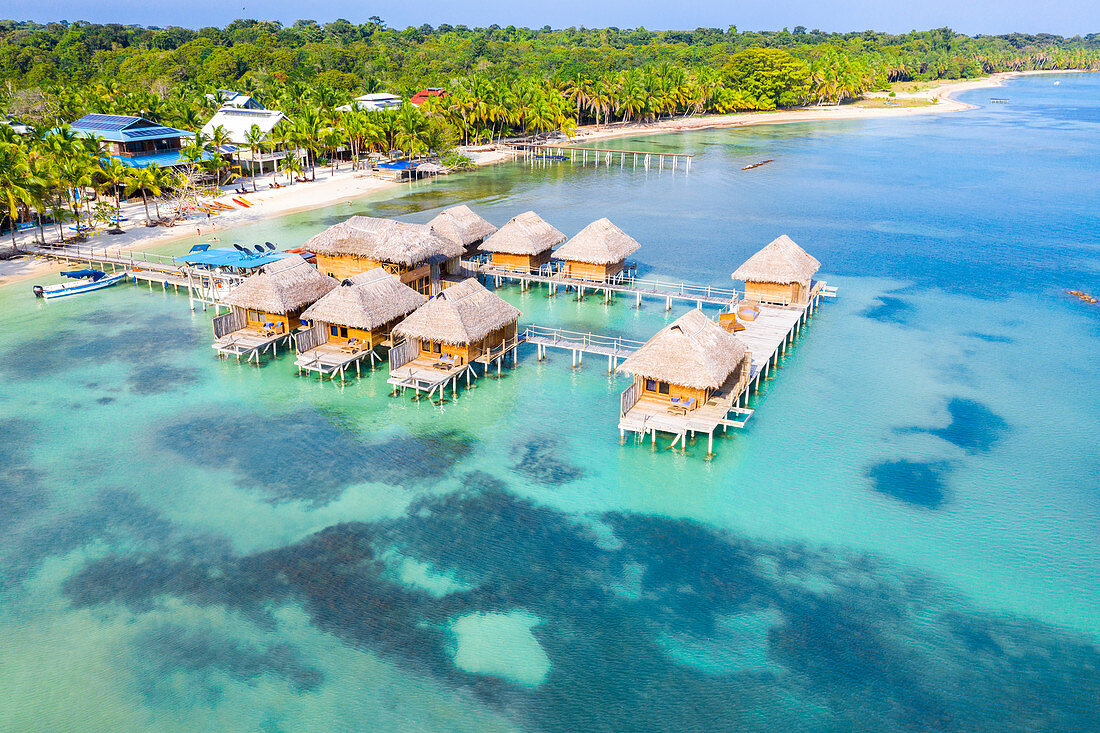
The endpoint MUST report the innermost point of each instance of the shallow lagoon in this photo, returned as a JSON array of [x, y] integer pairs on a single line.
[[905, 536]]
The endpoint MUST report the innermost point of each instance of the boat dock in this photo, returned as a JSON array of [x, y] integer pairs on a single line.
[[204, 287], [607, 156], [640, 288]]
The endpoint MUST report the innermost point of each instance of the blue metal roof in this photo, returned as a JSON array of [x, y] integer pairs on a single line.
[[226, 257], [164, 160], [121, 128]]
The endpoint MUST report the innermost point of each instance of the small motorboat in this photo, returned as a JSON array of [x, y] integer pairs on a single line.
[[757, 165], [93, 280]]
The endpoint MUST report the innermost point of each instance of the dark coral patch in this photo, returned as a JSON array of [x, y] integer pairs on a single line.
[[302, 456], [160, 378], [974, 427], [167, 648], [541, 460], [889, 310], [919, 483]]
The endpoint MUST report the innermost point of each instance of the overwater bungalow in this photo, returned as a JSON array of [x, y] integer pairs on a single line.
[[598, 252], [462, 225], [414, 252], [351, 320], [686, 379], [265, 307], [780, 274], [465, 324], [523, 244]]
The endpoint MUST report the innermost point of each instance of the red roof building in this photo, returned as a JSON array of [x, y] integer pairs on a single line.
[[420, 97]]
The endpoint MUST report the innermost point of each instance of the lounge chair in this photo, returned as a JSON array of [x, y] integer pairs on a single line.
[[352, 346], [268, 329], [447, 360]]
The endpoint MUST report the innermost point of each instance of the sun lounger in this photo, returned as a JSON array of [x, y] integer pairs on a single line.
[[446, 361]]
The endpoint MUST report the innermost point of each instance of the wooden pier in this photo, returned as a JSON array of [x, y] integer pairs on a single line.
[[606, 156], [629, 284], [579, 344], [767, 338], [204, 287], [233, 337]]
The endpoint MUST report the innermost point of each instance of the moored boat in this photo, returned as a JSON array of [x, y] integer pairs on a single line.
[[93, 280]]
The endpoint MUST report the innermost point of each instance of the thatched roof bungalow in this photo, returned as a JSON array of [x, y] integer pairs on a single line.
[[413, 252], [461, 324], [687, 361], [278, 293], [597, 252], [780, 273], [364, 308], [523, 244], [462, 225]]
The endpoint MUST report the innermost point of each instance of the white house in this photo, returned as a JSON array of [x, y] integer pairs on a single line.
[[378, 100], [237, 122]]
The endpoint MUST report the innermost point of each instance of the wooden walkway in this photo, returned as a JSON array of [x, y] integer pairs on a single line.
[[608, 156], [638, 287], [204, 287]]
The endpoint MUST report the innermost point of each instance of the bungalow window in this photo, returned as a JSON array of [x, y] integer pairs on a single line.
[[430, 347], [651, 385], [338, 331], [255, 316], [662, 387]]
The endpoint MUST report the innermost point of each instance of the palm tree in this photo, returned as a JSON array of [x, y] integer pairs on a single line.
[[15, 184], [145, 181], [219, 138], [113, 172], [254, 139], [307, 131]]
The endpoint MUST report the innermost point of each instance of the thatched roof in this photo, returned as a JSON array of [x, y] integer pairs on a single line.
[[599, 243], [782, 262], [461, 314], [693, 351], [526, 234], [462, 225], [367, 300], [281, 286], [383, 240]]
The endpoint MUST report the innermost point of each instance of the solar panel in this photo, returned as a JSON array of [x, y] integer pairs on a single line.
[[107, 123], [157, 131]]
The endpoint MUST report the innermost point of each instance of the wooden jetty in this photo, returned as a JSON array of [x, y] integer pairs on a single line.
[[607, 156], [625, 281], [204, 287]]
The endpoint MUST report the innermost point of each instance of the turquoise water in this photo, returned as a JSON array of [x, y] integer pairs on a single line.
[[904, 537]]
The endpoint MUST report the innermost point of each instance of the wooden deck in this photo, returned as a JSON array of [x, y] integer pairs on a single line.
[[332, 360], [409, 370], [250, 343]]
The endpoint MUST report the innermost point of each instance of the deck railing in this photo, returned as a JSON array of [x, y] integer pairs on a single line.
[[629, 398], [229, 322], [310, 338], [585, 340], [402, 353]]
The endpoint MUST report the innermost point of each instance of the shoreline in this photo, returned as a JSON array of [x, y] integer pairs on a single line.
[[943, 93], [330, 189]]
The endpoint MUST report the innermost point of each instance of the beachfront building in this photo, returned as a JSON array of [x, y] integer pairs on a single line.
[[229, 98], [425, 94], [375, 101], [134, 141], [598, 252], [465, 324], [415, 253], [265, 307], [460, 224], [238, 123], [351, 320], [687, 379], [523, 244], [780, 274]]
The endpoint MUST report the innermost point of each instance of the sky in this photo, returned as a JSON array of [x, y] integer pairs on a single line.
[[1063, 17]]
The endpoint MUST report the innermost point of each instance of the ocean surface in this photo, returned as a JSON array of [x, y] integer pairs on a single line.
[[905, 536]]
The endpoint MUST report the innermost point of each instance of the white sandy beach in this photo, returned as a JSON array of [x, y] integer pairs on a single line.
[[345, 184]]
